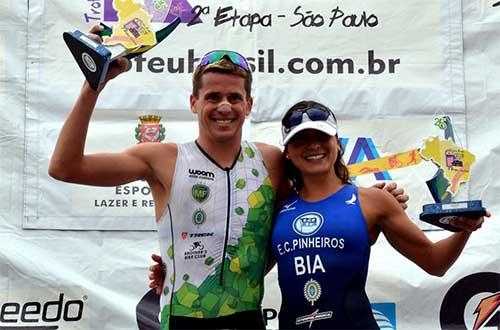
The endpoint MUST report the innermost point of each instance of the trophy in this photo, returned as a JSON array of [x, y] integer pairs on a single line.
[[131, 36], [454, 166]]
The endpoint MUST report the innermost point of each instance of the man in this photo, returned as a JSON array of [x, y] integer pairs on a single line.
[[214, 197]]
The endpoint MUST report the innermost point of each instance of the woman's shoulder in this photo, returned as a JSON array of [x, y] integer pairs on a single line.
[[376, 201]]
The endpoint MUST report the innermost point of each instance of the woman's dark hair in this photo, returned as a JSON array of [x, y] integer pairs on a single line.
[[292, 173]]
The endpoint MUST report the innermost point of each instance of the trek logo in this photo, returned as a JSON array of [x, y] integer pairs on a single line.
[[196, 235], [308, 223], [199, 174], [481, 290], [40, 315], [185, 235]]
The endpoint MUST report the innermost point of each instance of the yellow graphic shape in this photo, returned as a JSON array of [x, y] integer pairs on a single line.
[[400, 160], [134, 26], [455, 162]]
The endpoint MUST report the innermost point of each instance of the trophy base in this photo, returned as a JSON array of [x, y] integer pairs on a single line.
[[440, 214], [92, 58]]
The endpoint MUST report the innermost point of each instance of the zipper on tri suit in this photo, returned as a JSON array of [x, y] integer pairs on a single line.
[[228, 214]]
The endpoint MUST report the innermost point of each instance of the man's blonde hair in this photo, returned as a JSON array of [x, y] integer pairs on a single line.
[[224, 66]]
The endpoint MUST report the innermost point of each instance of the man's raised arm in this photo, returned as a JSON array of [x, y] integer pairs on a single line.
[[68, 162]]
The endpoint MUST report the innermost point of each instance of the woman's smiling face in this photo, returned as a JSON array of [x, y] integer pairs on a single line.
[[313, 152]]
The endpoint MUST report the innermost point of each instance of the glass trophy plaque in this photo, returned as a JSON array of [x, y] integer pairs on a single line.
[[454, 167]]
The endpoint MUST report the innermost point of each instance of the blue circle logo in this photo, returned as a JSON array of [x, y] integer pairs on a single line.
[[308, 223]]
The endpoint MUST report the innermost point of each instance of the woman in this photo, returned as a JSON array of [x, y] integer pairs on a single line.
[[322, 236]]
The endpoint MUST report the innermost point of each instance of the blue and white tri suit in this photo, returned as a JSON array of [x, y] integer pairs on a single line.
[[322, 250]]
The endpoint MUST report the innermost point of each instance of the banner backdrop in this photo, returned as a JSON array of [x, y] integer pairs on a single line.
[[76, 257], [369, 60]]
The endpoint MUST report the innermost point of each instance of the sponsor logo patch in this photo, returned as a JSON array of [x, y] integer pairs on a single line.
[[351, 201], [312, 291], [288, 207], [186, 234], [314, 316], [308, 224], [200, 174], [196, 251], [200, 192], [199, 217]]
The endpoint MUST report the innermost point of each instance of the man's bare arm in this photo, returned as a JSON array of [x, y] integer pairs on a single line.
[[68, 162], [273, 159]]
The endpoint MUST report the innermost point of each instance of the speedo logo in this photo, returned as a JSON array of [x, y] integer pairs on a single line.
[[40, 315], [199, 174]]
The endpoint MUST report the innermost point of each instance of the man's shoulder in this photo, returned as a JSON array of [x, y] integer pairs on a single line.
[[158, 147], [155, 151]]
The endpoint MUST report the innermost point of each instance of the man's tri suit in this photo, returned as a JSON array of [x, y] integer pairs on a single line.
[[322, 250], [214, 238]]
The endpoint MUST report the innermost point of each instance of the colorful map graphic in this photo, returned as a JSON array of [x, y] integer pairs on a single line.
[[455, 162], [134, 24]]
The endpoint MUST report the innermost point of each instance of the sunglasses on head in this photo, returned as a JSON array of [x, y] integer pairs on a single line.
[[295, 117], [217, 55]]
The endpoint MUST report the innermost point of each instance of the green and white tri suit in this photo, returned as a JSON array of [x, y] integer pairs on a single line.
[[214, 235]]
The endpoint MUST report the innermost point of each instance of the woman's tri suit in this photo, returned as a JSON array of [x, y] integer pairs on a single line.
[[322, 250], [214, 238]]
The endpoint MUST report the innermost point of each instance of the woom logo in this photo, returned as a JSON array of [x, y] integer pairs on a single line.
[[40, 315], [200, 174]]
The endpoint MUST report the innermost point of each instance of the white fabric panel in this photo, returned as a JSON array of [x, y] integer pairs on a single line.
[[428, 80]]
